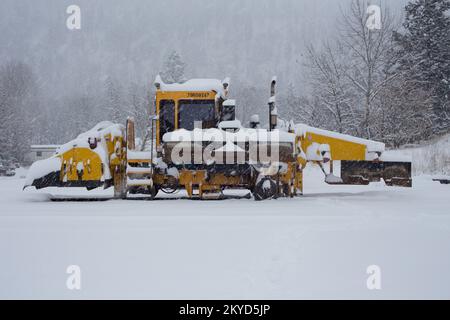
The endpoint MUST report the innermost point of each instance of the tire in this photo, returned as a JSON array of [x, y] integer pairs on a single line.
[[265, 189]]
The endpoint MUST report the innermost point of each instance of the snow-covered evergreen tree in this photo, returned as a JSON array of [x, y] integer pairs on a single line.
[[404, 112], [173, 69], [425, 53]]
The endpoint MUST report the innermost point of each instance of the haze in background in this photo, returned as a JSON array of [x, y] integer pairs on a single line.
[[248, 40]]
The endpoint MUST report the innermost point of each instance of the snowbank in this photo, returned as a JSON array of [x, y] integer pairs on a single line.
[[432, 158]]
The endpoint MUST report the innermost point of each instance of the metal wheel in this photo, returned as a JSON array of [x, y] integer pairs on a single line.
[[265, 189]]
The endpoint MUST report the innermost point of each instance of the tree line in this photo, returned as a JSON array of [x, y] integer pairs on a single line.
[[28, 119], [390, 84]]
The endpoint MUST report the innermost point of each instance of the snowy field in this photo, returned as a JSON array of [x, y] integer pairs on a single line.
[[315, 246]]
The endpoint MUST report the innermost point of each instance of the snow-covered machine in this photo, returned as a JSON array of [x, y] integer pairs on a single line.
[[198, 145]]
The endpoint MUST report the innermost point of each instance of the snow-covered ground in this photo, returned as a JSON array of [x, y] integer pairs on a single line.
[[315, 246]]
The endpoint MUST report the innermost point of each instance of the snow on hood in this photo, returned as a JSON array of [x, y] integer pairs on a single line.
[[372, 146], [42, 168], [103, 128], [243, 135], [99, 131]]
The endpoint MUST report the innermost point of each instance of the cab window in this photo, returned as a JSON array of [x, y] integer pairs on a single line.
[[191, 111], [166, 116]]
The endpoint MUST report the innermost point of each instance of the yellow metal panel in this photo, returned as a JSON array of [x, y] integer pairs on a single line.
[[92, 164], [340, 149]]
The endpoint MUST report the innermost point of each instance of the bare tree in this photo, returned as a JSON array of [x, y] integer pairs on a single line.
[[141, 101], [328, 69], [294, 107], [368, 50]]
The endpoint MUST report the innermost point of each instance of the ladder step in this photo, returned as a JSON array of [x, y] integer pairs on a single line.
[[138, 170], [138, 160], [139, 182], [139, 155]]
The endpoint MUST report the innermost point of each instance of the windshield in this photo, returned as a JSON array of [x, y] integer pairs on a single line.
[[191, 111], [166, 116]]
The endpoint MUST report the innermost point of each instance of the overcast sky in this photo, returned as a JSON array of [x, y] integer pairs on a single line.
[[248, 40]]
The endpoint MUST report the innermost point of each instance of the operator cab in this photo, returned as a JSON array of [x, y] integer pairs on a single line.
[[197, 103]]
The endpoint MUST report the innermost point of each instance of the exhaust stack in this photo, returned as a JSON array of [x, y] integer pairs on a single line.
[[273, 112]]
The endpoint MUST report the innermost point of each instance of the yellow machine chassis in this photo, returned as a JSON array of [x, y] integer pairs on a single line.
[[140, 173]]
